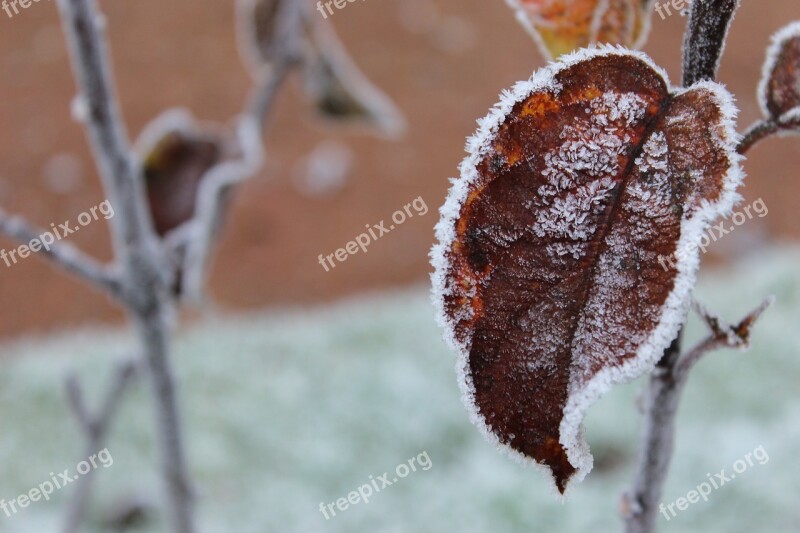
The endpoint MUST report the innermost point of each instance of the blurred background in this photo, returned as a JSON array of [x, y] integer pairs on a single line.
[[300, 383], [443, 62]]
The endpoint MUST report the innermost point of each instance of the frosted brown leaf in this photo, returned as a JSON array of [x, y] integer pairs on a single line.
[[780, 85], [547, 279]]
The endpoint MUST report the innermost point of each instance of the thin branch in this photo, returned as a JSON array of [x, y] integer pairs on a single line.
[[95, 427], [288, 55], [764, 128], [135, 243], [83, 26], [196, 237], [155, 338], [757, 133], [703, 44], [212, 195], [641, 502], [77, 404], [673, 352], [704, 40], [723, 335], [263, 95], [64, 255]]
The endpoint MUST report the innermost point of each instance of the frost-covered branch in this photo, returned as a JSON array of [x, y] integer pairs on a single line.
[[193, 241], [757, 133], [95, 427], [287, 54], [98, 108], [723, 335], [145, 275], [64, 255], [263, 95], [704, 40], [200, 231], [662, 399], [765, 128]]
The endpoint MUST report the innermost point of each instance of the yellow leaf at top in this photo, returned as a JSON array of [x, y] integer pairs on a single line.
[[561, 26]]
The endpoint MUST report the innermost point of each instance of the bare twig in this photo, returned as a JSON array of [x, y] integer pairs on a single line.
[[200, 231], [756, 133], [640, 503], [154, 334], [95, 427], [703, 44], [288, 55], [197, 236], [704, 41], [83, 27], [64, 255], [94, 424], [263, 95], [764, 128], [146, 273], [723, 335]]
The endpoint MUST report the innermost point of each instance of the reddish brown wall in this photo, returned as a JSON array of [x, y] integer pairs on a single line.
[[183, 52]]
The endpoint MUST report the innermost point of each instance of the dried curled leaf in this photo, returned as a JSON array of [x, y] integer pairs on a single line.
[[268, 33], [341, 92], [547, 280], [561, 26], [779, 91], [274, 32], [256, 27], [175, 155]]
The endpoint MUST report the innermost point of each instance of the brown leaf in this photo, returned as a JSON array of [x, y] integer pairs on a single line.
[[546, 271], [561, 26], [266, 30], [779, 91], [341, 92], [176, 154]]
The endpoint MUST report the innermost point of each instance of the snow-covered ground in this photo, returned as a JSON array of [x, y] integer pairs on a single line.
[[286, 410]]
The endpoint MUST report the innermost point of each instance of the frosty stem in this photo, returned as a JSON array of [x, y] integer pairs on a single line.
[[197, 236], [766, 128], [95, 426], [703, 44], [704, 40], [667, 382], [68, 257], [144, 275], [756, 133], [289, 25]]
